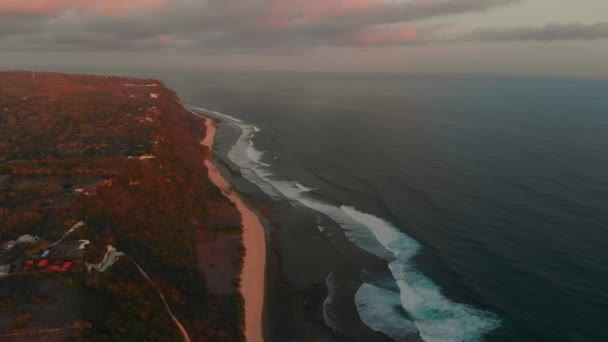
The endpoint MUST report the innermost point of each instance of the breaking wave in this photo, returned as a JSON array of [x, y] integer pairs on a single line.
[[379, 310], [303, 188], [427, 310], [436, 317]]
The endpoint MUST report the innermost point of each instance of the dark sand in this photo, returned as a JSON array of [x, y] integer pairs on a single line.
[[217, 255]]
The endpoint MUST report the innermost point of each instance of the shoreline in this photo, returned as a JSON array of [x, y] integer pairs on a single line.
[[253, 274], [296, 285]]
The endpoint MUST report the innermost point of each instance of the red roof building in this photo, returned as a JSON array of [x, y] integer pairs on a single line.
[[67, 265], [43, 263]]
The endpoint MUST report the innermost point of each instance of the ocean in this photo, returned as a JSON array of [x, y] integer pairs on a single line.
[[458, 208]]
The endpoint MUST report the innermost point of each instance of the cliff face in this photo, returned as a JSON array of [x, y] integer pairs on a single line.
[[123, 156]]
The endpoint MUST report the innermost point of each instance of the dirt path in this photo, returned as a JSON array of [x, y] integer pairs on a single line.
[[177, 322]]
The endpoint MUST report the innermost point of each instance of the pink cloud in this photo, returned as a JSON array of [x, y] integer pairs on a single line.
[[105, 7], [119, 7], [387, 36], [165, 39]]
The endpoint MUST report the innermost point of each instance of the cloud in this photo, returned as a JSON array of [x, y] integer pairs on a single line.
[[211, 25], [547, 33], [387, 36], [105, 7]]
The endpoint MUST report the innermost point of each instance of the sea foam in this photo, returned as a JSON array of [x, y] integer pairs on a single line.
[[380, 310], [433, 315], [436, 317]]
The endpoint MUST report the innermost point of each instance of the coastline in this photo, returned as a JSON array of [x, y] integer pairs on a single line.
[[299, 306], [252, 284]]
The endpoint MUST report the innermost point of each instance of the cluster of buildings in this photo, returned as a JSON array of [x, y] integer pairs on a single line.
[[31, 254]]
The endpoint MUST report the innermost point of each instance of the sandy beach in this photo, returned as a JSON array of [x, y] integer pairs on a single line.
[[253, 274]]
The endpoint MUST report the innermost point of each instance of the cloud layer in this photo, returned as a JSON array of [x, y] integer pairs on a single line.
[[547, 33], [51, 7], [198, 25], [251, 25]]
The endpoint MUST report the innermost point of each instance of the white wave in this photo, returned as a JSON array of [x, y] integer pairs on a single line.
[[379, 310], [260, 173], [254, 154], [436, 317], [401, 245], [303, 188], [244, 154], [354, 231], [217, 114]]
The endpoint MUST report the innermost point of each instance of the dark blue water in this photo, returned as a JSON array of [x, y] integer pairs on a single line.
[[503, 182]]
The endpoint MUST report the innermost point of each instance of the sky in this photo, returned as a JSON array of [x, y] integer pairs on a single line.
[[519, 37]]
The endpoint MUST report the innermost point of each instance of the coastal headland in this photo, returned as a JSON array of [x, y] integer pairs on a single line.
[[110, 226]]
